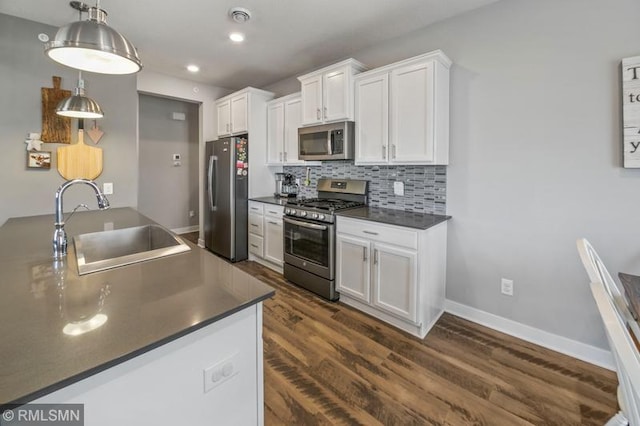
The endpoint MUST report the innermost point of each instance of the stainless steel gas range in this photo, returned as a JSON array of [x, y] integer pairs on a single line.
[[309, 234]]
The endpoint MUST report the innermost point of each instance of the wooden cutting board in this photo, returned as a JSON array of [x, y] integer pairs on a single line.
[[55, 128], [79, 161]]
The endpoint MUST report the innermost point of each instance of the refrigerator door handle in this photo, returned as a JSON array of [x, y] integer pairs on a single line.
[[213, 160]]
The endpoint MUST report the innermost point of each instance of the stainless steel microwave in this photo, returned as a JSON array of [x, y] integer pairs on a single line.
[[334, 141]]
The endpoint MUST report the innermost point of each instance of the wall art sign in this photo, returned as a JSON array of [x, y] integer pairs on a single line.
[[631, 111], [39, 159]]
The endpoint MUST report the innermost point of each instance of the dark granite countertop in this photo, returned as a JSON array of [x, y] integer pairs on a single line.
[[143, 305], [395, 217], [280, 201]]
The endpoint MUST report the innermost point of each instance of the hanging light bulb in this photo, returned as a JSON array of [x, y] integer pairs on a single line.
[[78, 105], [92, 45]]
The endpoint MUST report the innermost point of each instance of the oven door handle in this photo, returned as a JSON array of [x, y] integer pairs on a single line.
[[305, 224]]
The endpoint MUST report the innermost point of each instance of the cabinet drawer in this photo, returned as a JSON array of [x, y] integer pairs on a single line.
[[273, 210], [255, 224], [256, 207], [390, 234], [256, 245]]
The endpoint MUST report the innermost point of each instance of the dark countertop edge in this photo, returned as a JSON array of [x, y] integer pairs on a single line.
[[439, 218], [278, 201], [87, 373]]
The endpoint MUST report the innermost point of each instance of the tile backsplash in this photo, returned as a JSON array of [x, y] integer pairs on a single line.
[[425, 187]]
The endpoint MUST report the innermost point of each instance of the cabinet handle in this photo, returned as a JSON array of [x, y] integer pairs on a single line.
[[272, 212], [253, 224], [281, 157], [384, 152], [285, 156], [370, 232], [227, 127], [325, 112], [254, 246], [364, 254], [274, 223], [375, 256], [318, 113], [393, 150]]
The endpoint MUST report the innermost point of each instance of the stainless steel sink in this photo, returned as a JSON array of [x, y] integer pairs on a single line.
[[98, 251]]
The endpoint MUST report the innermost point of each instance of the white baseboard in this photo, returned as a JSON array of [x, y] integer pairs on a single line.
[[582, 351], [201, 243], [186, 229]]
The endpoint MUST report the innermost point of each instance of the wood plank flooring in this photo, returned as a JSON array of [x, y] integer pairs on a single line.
[[326, 364]]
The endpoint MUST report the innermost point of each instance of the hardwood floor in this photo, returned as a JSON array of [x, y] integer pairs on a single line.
[[326, 363]]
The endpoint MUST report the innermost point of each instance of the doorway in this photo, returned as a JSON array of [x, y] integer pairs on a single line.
[[168, 182]]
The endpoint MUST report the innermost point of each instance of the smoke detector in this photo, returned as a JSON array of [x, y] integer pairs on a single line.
[[240, 14]]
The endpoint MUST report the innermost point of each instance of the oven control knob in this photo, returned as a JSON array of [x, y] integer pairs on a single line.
[[315, 215], [321, 217], [303, 214], [287, 211], [292, 211]]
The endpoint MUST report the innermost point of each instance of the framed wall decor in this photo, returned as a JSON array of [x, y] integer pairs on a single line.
[[39, 159], [631, 111]]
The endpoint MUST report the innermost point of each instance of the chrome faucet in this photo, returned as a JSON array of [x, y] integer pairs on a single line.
[[60, 235]]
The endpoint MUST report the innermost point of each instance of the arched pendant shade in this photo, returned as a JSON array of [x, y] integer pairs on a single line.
[[78, 105], [93, 46]]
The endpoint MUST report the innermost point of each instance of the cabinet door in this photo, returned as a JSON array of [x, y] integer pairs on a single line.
[[273, 245], [224, 117], [372, 119], [412, 114], [336, 95], [292, 120], [353, 267], [275, 133], [239, 114], [311, 89], [395, 285]]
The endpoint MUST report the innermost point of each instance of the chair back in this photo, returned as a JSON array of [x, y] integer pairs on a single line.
[[598, 273], [624, 351], [616, 316]]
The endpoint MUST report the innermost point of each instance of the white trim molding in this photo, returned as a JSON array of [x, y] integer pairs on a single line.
[[185, 230], [581, 351]]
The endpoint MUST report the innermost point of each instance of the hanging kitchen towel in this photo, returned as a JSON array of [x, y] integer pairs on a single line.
[[79, 161]]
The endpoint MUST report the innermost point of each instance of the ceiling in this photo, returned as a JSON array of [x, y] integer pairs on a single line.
[[283, 37]]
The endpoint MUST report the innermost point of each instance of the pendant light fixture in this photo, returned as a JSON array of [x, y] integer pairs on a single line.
[[92, 45], [78, 105]]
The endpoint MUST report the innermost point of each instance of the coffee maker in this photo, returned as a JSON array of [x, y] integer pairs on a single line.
[[286, 185]]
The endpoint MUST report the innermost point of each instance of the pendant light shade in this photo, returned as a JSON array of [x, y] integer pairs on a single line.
[[79, 105], [93, 46]]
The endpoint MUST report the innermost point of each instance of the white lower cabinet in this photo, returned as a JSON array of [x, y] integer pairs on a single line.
[[266, 234], [394, 273]]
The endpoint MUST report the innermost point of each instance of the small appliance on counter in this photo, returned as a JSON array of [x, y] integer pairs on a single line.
[[286, 185]]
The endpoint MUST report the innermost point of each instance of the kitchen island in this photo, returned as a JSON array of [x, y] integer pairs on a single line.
[[131, 343]]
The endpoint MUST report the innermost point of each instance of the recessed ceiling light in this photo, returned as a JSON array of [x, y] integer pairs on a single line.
[[237, 37], [193, 68]]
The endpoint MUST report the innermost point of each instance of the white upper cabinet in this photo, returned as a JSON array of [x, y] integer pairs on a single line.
[[245, 112], [233, 112], [284, 116], [327, 94], [402, 112]]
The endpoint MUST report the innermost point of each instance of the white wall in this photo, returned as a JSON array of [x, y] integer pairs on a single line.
[[162, 85], [168, 193], [24, 69], [535, 154]]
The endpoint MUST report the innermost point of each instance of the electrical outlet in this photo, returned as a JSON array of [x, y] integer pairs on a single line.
[[506, 286], [192, 213], [398, 188], [220, 372], [107, 188]]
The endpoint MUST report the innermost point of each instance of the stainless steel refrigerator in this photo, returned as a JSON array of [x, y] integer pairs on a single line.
[[227, 190]]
